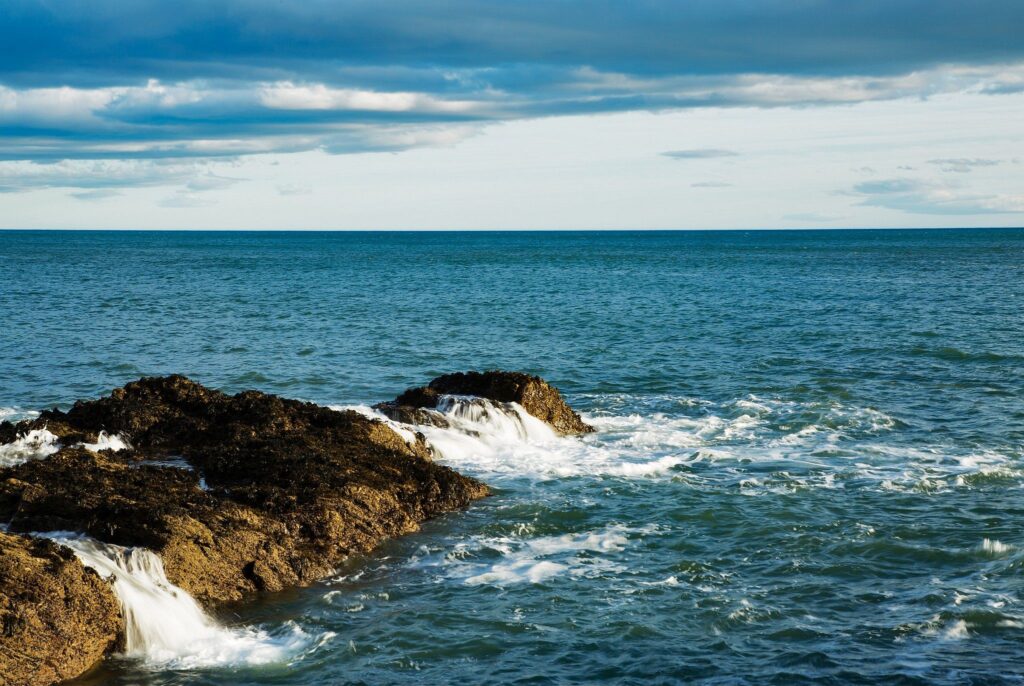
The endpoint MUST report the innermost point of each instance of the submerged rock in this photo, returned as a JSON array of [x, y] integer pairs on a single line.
[[270, 493], [533, 393], [57, 618]]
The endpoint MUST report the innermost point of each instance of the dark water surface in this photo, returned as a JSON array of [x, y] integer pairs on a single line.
[[808, 467]]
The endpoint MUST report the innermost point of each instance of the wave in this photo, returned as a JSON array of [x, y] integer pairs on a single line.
[[37, 444], [16, 414], [755, 444], [164, 626], [107, 441]]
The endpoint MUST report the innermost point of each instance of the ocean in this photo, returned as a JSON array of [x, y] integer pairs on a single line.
[[808, 468]]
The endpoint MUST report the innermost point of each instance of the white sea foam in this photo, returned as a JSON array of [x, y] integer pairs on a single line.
[[512, 560], [107, 441], [957, 630], [34, 445], [496, 440], [164, 625], [16, 414], [815, 445]]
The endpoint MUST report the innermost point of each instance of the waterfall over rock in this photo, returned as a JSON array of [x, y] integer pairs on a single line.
[[164, 624]]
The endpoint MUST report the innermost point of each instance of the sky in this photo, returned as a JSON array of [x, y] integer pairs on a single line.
[[526, 114]]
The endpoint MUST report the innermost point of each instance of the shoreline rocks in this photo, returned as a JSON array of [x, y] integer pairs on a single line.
[[57, 618], [237, 494], [533, 393]]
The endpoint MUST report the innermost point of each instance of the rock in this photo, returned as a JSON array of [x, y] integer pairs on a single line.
[[57, 618], [291, 488], [536, 396]]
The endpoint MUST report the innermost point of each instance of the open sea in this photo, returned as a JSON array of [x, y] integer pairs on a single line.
[[808, 469]]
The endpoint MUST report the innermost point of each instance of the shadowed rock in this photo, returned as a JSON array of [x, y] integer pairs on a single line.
[[536, 396], [57, 618]]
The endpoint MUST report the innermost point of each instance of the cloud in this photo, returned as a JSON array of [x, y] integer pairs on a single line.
[[98, 194], [205, 79], [97, 40], [699, 154], [812, 217], [963, 165], [210, 182], [184, 199], [710, 184], [94, 179], [934, 197], [294, 189]]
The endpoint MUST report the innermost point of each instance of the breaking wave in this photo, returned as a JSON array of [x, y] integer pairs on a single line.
[[755, 444], [107, 441], [37, 444]]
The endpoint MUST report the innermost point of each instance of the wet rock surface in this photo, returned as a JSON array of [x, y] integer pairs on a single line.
[[536, 396], [237, 494], [57, 618]]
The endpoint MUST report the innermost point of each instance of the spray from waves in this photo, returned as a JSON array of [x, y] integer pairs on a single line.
[[165, 626], [37, 444], [502, 440], [107, 441]]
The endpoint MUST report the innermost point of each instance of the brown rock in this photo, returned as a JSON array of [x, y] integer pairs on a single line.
[[57, 618], [292, 488], [536, 396]]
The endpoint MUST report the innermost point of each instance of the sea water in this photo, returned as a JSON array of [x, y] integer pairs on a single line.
[[808, 464]]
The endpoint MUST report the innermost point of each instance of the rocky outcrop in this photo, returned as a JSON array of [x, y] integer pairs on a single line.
[[57, 618], [536, 396], [237, 494]]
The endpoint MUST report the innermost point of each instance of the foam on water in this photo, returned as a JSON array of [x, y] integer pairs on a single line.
[[16, 414], [791, 446], [34, 445], [164, 625], [520, 559]]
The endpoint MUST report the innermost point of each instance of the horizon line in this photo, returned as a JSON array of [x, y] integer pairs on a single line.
[[492, 230]]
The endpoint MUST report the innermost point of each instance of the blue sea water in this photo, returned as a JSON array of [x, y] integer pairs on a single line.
[[808, 469]]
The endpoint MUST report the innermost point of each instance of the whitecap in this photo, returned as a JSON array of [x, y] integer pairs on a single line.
[[994, 547]]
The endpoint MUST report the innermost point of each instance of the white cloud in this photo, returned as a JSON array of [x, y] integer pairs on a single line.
[[963, 165], [936, 197], [286, 95], [183, 199]]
